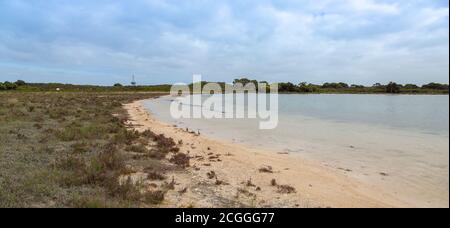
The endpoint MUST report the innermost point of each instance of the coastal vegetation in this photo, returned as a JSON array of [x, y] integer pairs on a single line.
[[378, 88], [23, 86], [78, 150], [344, 88], [8, 86], [283, 87]]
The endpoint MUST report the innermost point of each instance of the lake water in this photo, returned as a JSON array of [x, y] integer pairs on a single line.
[[399, 143]]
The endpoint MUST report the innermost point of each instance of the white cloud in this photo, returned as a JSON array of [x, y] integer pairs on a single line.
[[357, 41], [370, 5]]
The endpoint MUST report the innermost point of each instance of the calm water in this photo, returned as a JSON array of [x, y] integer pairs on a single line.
[[406, 137], [422, 113]]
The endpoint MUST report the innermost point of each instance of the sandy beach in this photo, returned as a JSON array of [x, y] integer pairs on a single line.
[[223, 174]]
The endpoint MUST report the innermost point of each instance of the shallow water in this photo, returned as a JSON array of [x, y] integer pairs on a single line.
[[398, 143]]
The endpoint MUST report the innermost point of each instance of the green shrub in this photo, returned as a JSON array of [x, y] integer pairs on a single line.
[[8, 86]]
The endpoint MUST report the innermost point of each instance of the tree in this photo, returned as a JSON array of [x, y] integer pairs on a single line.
[[8, 86], [357, 86], [287, 87], [393, 87], [334, 85], [343, 85], [307, 88], [245, 81], [118, 85], [436, 86], [21, 83], [411, 86]]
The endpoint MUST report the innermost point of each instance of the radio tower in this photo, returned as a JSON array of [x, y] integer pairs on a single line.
[[133, 81]]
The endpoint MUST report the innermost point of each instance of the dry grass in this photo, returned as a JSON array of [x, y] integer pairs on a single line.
[[154, 197], [155, 176]]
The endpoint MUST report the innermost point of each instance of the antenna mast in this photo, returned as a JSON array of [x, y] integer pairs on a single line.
[[133, 82]]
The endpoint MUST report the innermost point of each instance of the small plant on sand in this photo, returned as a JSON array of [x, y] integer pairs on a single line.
[[266, 169], [181, 160], [211, 175], [282, 189], [250, 183], [163, 147], [286, 189], [219, 182], [273, 182]]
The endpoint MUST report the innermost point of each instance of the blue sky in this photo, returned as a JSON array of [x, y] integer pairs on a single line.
[[105, 41]]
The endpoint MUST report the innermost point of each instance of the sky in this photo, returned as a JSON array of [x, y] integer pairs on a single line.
[[105, 41]]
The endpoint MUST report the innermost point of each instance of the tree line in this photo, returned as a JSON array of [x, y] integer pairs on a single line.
[[329, 87], [23, 86], [283, 87], [11, 85]]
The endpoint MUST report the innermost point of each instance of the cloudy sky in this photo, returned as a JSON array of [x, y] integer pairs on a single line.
[[105, 41]]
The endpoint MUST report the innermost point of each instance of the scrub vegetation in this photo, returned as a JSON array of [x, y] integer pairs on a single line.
[[283, 87], [77, 150]]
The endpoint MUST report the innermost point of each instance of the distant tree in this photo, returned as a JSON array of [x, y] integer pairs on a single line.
[[411, 86], [436, 86], [10, 86], [245, 81], [357, 86], [343, 85], [377, 85], [20, 83], [118, 85], [304, 87], [333, 85], [287, 87], [314, 87], [393, 87]]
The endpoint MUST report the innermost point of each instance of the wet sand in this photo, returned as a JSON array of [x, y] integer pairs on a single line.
[[227, 174]]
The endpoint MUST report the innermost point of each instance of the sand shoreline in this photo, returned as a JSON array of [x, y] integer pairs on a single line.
[[225, 174]]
